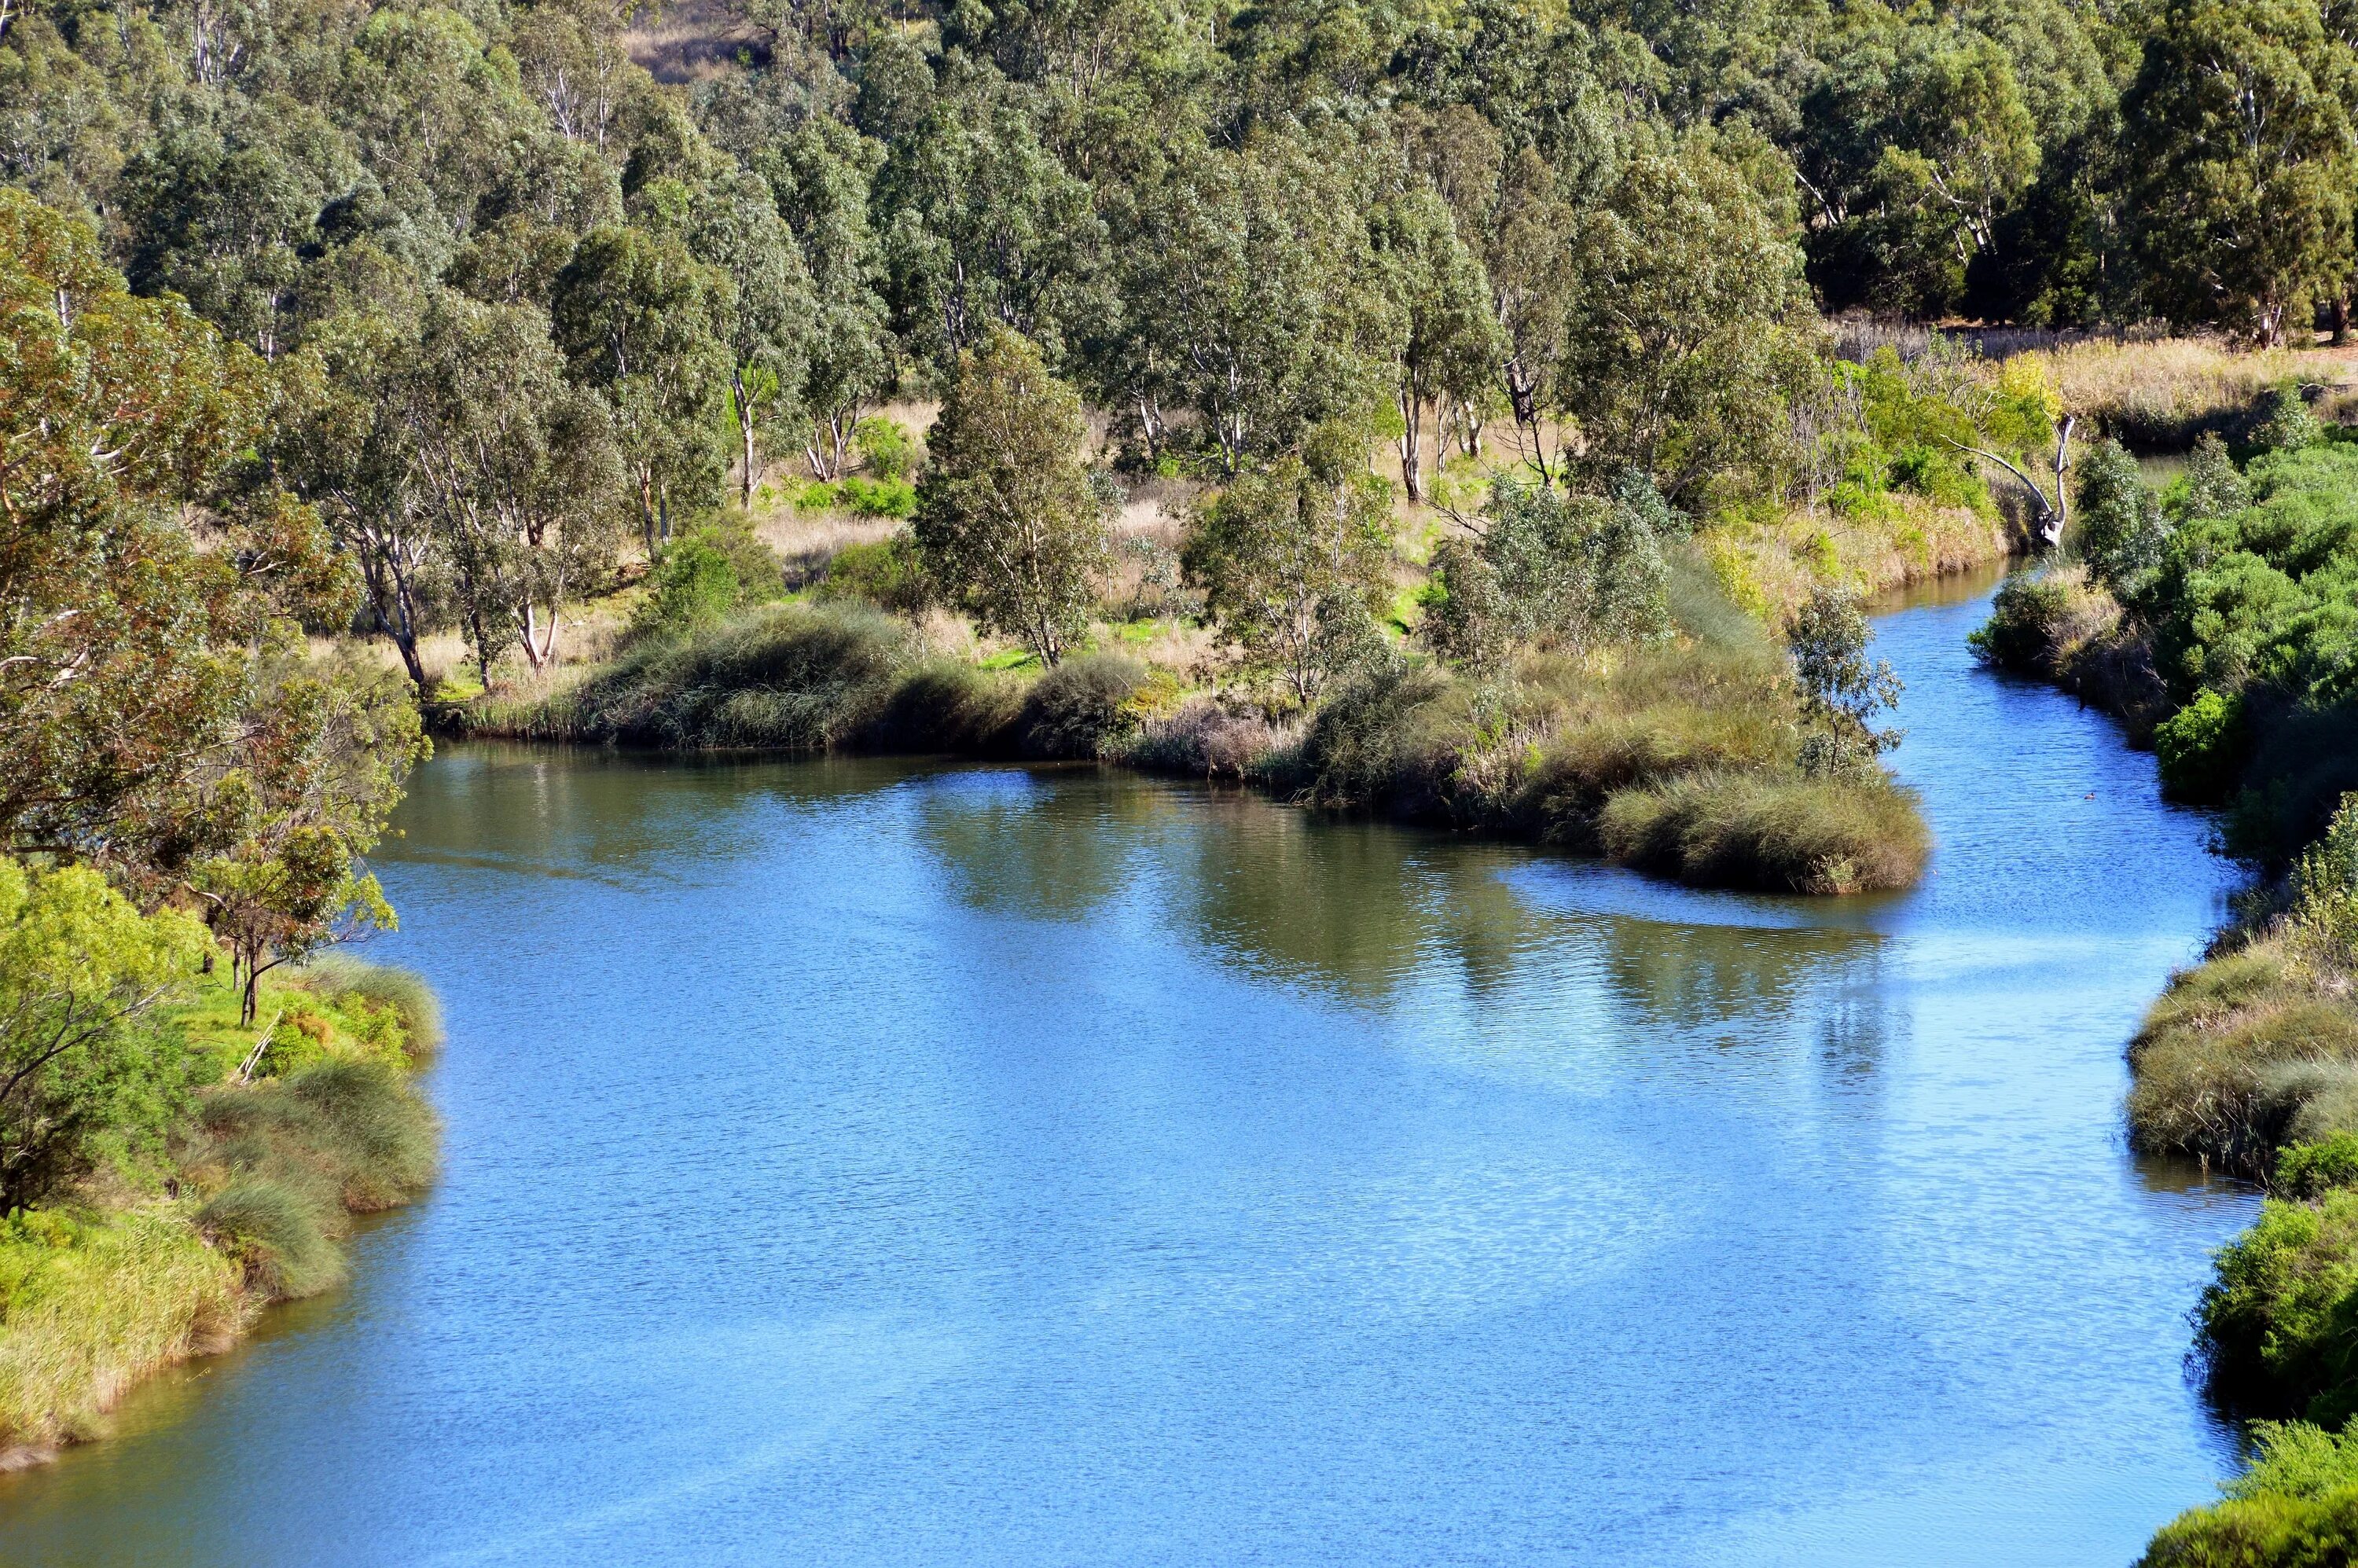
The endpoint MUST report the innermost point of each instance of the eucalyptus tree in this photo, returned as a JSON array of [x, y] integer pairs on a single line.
[[984, 228], [518, 471], [1683, 336], [733, 224], [1008, 518], [2238, 141], [347, 443], [819, 174], [1447, 343], [1294, 558], [646, 325], [1252, 300]]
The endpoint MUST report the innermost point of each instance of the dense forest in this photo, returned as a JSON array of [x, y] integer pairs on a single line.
[[1532, 387]]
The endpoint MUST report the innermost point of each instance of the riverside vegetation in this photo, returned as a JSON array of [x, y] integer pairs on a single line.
[[184, 797], [361, 358], [2215, 616]]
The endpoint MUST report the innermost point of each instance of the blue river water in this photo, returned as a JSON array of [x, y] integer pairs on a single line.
[[861, 1162]]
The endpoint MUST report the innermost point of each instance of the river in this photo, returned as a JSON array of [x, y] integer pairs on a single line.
[[859, 1163]]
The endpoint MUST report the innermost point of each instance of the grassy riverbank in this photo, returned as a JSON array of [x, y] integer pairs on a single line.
[[1682, 756], [249, 1204], [2213, 617]]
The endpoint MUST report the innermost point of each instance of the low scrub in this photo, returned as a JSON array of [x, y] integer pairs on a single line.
[[2296, 1506], [314, 1121], [1780, 834]]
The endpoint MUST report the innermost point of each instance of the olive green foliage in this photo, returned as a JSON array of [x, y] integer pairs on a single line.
[[889, 574], [1293, 560], [1008, 521], [786, 677], [2272, 1324], [1682, 755], [2259, 1047], [862, 497], [693, 586], [2296, 1506], [2289, 425], [2225, 625], [1571, 575], [1841, 691], [90, 1070], [2052, 622], [1685, 376], [886, 449], [361, 988], [1900, 426]]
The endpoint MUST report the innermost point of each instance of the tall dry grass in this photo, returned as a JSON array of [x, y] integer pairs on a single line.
[[2158, 396]]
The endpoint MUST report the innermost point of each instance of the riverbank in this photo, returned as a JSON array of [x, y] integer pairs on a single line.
[[1009, 1082], [301, 1126], [1682, 757], [2211, 617]]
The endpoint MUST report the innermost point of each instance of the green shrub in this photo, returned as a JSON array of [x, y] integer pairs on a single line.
[[692, 587], [886, 447], [2200, 747], [888, 573], [2240, 1055], [1079, 708], [2296, 1504], [348, 1135], [945, 707], [2276, 1324], [862, 497], [1779, 834], [2307, 1169], [2266, 1532], [2289, 425]]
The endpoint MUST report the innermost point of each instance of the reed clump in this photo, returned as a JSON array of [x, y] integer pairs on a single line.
[[314, 1122], [1681, 758], [834, 676], [88, 1304]]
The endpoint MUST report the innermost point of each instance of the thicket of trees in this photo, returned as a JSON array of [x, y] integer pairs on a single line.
[[516, 301]]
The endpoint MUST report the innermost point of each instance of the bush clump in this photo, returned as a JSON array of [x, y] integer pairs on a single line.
[[2311, 1170], [2296, 1506], [2200, 747], [1080, 707], [889, 574], [1835, 834]]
